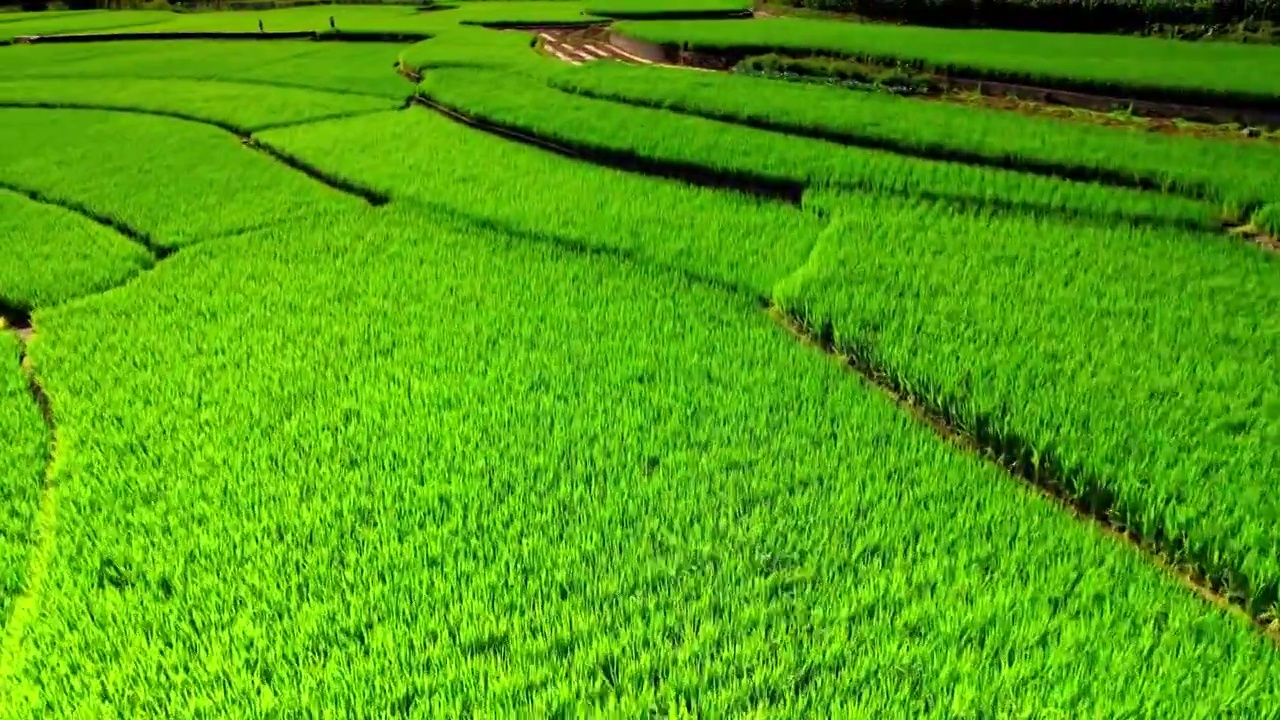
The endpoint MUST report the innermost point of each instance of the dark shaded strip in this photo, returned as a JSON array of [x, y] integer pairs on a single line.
[[205, 79], [770, 188], [1083, 495], [171, 114], [1101, 176], [625, 256], [15, 317], [158, 252], [371, 36], [373, 197], [38, 394], [333, 116], [786, 190]]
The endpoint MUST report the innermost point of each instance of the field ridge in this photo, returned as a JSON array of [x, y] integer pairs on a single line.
[[1094, 505], [1111, 178], [158, 252], [45, 525], [692, 173]]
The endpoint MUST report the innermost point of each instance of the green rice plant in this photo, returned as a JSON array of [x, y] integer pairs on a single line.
[[618, 491], [172, 182], [297, 19], [502, 13], [1268, 220], [80, 22], [1132, 364], [1231, 175], [348, 68], [1207, 18], [52, 255], [834, 71], [1145, 67], [9, 16], [722, 237], [238, 107], [363, 19], [22, 460], [474, 47], [758, 156], [654, 9]]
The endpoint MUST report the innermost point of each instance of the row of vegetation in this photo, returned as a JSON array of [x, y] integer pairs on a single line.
[[734, 474], [1167, 70], [22, 461], [1237, 178], [57, 255], [1084, 16], [523, 441]]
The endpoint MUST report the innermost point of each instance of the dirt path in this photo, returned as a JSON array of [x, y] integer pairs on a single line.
[[583, 45]]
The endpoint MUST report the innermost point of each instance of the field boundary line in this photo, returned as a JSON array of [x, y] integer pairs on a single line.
[[218, 81], [1046, 483], [770, 188], [334, 116], [376, 198], [119, 227], [25, 605], [792, 189], [245, 136], [1111, 178], [76, 105], [1203, 105]]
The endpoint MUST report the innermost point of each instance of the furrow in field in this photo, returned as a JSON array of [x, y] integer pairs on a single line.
[[90, 74], [1006, 454], [171, 114], [732, 237], [325, 118], [738, 533], [40, 533], [1019, 164], [158, 252], [621, 159], [660, 136], [1237, 179], [233, 128], [369, 195], [1128, 368]]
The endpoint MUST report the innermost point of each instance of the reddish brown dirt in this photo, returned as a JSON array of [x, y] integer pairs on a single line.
[[583, 45]]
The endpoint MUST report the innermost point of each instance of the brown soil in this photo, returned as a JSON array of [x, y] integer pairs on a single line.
[[582, 44], [1254, 234]]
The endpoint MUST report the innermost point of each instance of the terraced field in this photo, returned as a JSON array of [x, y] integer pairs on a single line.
[[407, 364]]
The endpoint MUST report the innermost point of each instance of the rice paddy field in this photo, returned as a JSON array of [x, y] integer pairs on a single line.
[[481, 361]]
